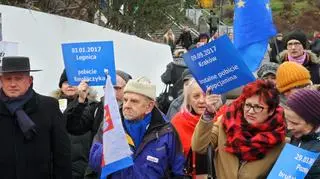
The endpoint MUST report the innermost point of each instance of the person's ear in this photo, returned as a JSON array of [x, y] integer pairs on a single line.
[[150, 106], [31, 79], [270, 113]]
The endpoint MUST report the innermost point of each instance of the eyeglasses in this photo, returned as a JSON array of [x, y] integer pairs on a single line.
[[256, 108], [291, 44]]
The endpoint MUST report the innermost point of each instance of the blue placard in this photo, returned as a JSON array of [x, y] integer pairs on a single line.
[[88, 61], [293, 163], [218, 65]]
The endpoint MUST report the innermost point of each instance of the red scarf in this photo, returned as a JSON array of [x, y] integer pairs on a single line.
[[251, 142], [185, 123]]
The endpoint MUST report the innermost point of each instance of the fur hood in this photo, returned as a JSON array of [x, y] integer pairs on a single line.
[[179, 61], [57, 94], [313, 57]]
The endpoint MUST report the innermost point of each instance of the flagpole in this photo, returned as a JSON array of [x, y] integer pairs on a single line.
[[220, 18]]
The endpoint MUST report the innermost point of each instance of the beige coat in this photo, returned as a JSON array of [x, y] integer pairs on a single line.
[[227, 165]]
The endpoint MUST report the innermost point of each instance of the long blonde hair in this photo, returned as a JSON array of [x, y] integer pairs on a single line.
[[168, 36]]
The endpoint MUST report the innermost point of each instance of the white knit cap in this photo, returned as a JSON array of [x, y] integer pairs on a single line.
[[141, 86]]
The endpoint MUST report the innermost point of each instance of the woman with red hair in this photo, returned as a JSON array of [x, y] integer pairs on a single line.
[[247, 135]]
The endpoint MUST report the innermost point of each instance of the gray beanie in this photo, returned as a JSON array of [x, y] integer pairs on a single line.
[[267, 68], [125, 76]]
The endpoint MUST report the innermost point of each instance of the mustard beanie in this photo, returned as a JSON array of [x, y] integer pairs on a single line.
[[290, 75], [141, 86]]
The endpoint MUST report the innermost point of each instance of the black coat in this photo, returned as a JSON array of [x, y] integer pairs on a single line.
[[310, 142], [185, 39], [277, 46], [80, 143], [172, 75], [47, 155]]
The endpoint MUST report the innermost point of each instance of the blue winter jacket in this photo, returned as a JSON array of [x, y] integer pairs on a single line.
[[158, 156]]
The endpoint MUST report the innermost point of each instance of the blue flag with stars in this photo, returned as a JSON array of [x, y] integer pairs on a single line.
[[253, 26]]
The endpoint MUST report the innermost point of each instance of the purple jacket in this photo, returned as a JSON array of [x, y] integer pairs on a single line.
[[158, 156]]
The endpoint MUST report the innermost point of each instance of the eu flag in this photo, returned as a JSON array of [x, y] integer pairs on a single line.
[[253, 26]]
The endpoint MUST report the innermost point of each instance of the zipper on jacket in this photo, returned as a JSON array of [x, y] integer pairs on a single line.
[[147, 139]]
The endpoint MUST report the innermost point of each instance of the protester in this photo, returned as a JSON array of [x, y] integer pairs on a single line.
[[95, 117], [33, 134], [203, 39], [151, 135], [67, 93], [90, 117], [268, 71], [247, 136], [290, 77], [213, 22], [69, 97], [172, 75], [315, 44], [296, 44], [176, 103], [122, 80], [65, 90], [169, 38], [277, 46], [303, 121], [203, 26], [185, 38], [193, 106]]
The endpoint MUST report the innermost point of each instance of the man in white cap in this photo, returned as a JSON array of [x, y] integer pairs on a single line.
[[155, 144]]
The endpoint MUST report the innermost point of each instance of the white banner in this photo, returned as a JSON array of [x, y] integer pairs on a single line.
[[8, 49]]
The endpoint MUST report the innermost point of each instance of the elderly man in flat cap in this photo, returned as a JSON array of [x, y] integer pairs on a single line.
[[33, 135], [157, 151]]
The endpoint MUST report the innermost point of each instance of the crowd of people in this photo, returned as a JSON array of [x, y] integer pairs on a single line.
[[61, 136]]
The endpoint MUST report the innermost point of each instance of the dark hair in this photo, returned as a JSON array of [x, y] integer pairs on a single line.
[[265, 89]]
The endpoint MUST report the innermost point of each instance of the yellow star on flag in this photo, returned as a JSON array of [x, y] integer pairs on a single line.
[[268, 6], [240, 3]]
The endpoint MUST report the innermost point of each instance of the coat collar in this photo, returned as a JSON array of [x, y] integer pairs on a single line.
[[157, 120], [30, 107], [311, 57]]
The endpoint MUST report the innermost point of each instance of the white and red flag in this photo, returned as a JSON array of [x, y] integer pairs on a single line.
[[116, 151]]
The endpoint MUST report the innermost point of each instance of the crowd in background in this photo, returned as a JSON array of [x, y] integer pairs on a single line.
[[169, 135]]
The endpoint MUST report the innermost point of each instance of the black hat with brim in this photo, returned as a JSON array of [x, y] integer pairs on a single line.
[[16, 64]]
